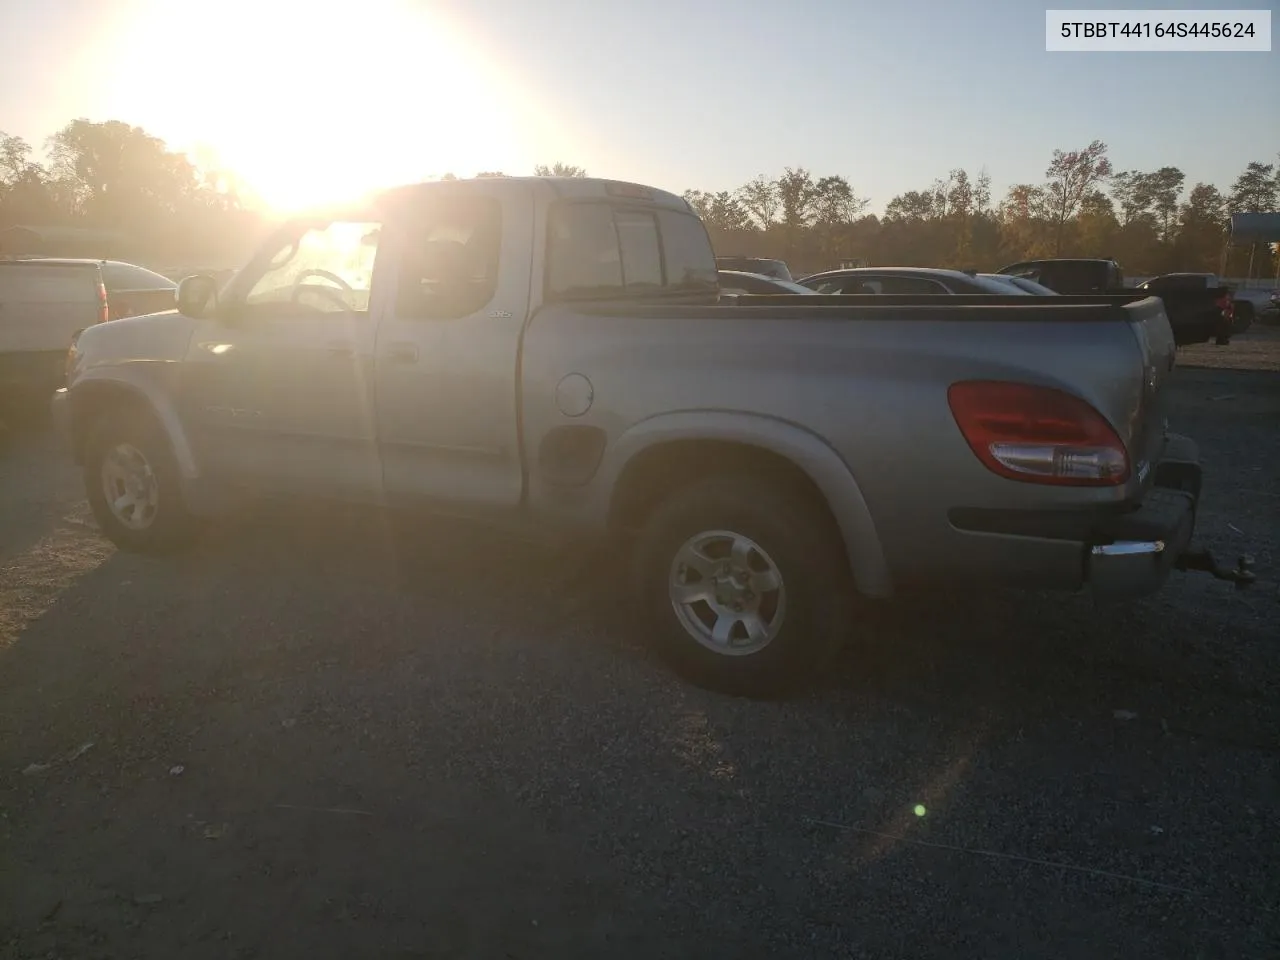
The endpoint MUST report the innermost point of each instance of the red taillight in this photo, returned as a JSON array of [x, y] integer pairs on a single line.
[[104, 313], [1038, 434]]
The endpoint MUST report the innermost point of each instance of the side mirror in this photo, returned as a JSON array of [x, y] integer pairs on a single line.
[[198, 297]]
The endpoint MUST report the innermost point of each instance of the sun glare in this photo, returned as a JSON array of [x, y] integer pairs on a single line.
[[308, 106]]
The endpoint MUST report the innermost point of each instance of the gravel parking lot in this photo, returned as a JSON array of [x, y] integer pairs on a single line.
[[332, 735]]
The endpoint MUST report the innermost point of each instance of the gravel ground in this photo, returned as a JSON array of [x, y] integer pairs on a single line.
[[323, 736]]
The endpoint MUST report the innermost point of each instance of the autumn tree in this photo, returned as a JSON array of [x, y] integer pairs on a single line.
[[1256, 190], [1024, 222], [797, 201], [836, 208], [1202, 224], [720, 211], [1069, 179], [759, 198], [26, 193], [1096, 226]]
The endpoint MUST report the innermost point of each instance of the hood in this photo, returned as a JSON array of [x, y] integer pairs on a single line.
[[152, 336]]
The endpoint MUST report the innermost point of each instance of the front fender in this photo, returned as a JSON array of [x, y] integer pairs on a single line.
[[809, 452], [99, 387]]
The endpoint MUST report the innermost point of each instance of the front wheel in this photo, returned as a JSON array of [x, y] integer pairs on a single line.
[[746, 585], [133, 485]]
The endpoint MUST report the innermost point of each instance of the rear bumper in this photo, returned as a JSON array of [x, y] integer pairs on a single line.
[[1142, 546], [1116, 552]]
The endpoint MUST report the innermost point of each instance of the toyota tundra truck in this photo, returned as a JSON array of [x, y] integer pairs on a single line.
[[554, 353]]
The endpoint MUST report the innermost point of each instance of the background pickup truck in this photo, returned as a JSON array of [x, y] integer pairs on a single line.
[[552, 353], [1197, 313], [43, 304]]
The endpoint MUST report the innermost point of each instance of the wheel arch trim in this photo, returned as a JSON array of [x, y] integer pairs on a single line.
[[809, 453]]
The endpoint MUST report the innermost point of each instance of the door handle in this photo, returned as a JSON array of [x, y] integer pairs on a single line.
[[402, 353]]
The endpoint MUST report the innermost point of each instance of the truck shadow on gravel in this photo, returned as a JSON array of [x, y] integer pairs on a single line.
[[1195, 657]]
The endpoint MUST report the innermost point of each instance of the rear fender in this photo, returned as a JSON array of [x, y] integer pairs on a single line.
[[812, 455]]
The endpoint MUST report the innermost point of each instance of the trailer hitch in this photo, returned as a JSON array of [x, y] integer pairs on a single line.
[[1241, 575]]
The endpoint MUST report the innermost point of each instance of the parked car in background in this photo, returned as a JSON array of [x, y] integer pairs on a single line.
[[905, 280], [1251, 303], [134, 290], [552, 353], [1197, 313], [131, 290], [43, 305], [737, 282], [1022, 283], [770, 268]]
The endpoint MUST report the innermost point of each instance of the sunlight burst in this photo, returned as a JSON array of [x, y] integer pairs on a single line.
[[309, 106]]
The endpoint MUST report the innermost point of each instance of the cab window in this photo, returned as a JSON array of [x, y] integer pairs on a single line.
[[602, 250], [448, 266], [316, 267]]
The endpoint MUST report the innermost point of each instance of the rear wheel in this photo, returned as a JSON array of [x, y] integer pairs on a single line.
[[133, 485], [745, 584]]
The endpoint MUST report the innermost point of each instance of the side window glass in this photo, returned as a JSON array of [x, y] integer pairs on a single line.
[[910, 285], [317, 268], [690, 263], [641, 254], [449, 263], [582, 253]]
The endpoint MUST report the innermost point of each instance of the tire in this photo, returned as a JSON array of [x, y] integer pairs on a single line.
[[130, 445], [803, 624]]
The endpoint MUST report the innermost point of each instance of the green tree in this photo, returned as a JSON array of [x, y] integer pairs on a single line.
[[558, 169], [1202, 222], [759, 197]]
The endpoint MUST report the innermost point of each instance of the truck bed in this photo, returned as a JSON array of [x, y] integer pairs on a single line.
[[970, 308]]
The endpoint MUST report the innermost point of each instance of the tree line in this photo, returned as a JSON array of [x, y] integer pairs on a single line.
[[167, 210], [1146, 219], [116, 177]]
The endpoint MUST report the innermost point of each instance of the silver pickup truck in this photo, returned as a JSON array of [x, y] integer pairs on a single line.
[[554, 353]]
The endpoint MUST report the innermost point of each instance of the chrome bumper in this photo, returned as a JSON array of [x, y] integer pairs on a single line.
[[1142, 548]]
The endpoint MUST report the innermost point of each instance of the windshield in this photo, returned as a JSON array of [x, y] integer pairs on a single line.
[[318, 266]]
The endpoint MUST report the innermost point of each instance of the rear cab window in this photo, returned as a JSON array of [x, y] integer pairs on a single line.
[[127, 276], [601, 249]]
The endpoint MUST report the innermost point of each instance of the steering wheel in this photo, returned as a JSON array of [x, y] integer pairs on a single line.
[[299, 288]]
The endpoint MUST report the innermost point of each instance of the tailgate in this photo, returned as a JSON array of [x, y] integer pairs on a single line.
[[41, 307], [1150, 326]]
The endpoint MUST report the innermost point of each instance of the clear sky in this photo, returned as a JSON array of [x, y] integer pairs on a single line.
[[312, 96]]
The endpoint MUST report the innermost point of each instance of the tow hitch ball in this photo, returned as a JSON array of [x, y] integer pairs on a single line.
[[1241, 575]]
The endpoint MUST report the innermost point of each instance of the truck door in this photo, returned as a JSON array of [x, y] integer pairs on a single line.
[[448, 346], [277, 387]]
